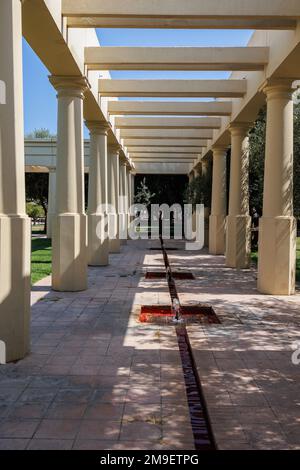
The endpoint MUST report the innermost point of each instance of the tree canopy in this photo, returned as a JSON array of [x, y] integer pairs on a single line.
[[40, 134]]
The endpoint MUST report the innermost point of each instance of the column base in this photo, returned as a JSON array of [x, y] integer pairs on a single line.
[[15, 286], [217, 225], [277, 255], [98, 244], [114, 246], [114, 231], [238, 241], [69, 265]]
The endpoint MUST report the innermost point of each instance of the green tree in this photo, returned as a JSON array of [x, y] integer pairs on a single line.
[[37, 191], [37, 183], [143, 194], [34, 211], [257, 138], [199, 189], [40, 134]]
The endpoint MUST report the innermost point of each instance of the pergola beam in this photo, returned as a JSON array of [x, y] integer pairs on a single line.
[[163, 150], [158, 162], [176, 58], [165, 158], [156, 108], [138, 143], [173, 88], [170, 123], [166, 134], [166, 155], [256, 14]]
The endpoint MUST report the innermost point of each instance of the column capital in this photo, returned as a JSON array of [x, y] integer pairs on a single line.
[[278, 88], [98, 127], [240, 128], [116, 148], [69, 85], [219, 149]]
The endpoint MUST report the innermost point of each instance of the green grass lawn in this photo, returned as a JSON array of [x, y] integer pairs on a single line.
[[255, 259], [41, 259]]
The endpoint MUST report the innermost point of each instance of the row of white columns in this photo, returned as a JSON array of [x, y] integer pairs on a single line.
[[76, 242], [231, 234], [77, 239]]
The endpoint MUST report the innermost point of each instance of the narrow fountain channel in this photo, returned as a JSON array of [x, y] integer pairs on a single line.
[[201, 427]]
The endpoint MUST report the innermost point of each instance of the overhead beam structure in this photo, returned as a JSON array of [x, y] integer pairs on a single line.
[[176, 58], [173, 88], [165, 108], [236, 14], [166, 158], [162, 150], [166, 134], [170, 123], [138, 143]]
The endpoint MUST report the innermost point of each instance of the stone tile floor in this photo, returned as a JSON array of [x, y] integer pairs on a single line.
[[97, 379]]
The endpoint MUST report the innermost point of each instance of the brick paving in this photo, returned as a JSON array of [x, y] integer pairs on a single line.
[[97, 379]]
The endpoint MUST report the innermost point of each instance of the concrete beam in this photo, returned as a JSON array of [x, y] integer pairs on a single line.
[[190, 23], [163, 168], [166, 108], [166, 155], [166, 134], [169, 123], [138, 143], [176, 58], [162, 150], [173, 88], [158, 162], [269, 14]]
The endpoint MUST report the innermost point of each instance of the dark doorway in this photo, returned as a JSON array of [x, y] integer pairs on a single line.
[[165, 189], [168, 189]]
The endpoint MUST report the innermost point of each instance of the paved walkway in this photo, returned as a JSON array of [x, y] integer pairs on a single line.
[[97, 379]]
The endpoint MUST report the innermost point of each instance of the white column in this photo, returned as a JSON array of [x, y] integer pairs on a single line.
[[219, 203], [15, 226], [114, 191], [238, 232], [132, 188], [123, 202], [51, 200], [129, 194], [204, 173], [69, 231], [129, 188], [98, 245], [277, 230]]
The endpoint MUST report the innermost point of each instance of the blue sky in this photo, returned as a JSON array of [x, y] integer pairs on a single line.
[[40, 97]]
